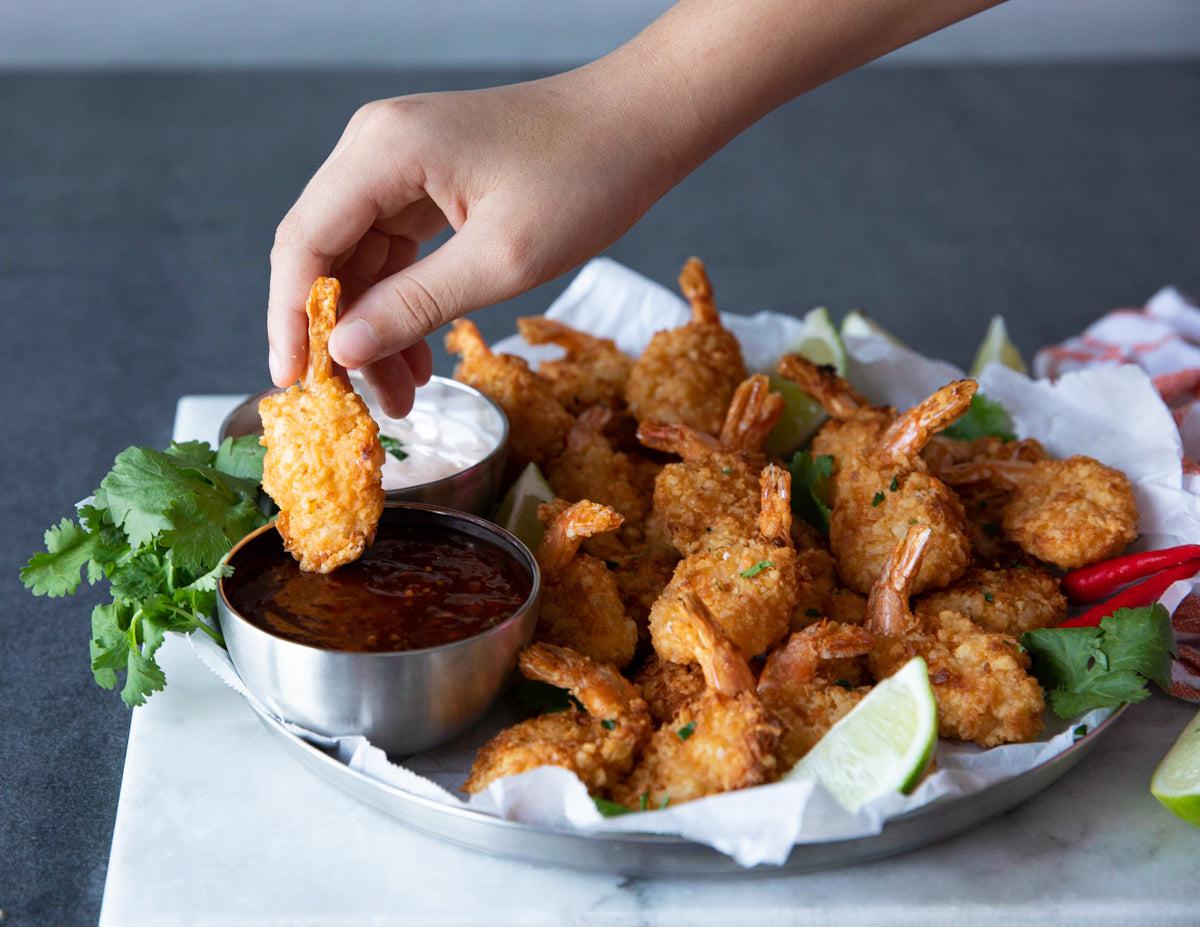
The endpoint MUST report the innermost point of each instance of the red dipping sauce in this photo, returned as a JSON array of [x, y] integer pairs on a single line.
[[415, 587]]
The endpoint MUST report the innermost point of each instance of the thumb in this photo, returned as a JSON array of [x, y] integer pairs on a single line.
[[470, 271]]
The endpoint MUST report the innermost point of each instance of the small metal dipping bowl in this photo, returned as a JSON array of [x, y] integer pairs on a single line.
[[473, 489], [402, 701]]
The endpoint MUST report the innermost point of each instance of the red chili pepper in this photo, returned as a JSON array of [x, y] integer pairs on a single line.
[[1100, 580], [1144, 593]]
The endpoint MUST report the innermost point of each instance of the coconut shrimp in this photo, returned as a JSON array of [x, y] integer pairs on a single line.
[[581, 603], [598, 744], [1068, 513], [721, 740], [802, 684], [324, 462], [589, 468], [641, 573], [688, 375], [538, 423], [980, 678], [593, 372], [1011, 600], [887, 489], [823, 595], [667, 686], [750, 586], [711, 496]]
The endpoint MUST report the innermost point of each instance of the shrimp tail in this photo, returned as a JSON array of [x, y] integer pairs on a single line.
[[570, 528], [322, 309], [697, 290], [834, 393], [908, 434], [753, 412], [537, 329], [588, 427], [725, 669], [888, 611], [800, 658], [1008, 474], [775, 505], [688, 443], [603, 691], [465, 340]]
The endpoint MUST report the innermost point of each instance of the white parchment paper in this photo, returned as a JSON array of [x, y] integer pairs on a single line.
[[1114, 415]]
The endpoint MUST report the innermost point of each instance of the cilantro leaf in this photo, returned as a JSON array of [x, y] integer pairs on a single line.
[[109, 644], [142, 487], [56, 571], [543, 698], [191, 452], [393, 446], [752, 571], [1085, 668], [143, 677], [610, 809], [984, 418], [810, 488], [241, 457]]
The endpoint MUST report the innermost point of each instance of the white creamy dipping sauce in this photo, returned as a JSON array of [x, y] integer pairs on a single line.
[[448, 430]]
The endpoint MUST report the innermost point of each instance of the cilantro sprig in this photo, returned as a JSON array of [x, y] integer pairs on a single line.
[[157, 530], [1085, 668], [393, 446], [984, 418]]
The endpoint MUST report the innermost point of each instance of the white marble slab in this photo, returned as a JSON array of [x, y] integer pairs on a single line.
[[216, 825]]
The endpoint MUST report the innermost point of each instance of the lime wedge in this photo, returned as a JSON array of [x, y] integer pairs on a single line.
[[820, 342], [518, 510], [802, 416], [857, 324], [1176, 782], [883, 745], [997, 347]]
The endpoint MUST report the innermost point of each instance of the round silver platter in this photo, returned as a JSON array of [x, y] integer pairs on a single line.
[[659, 855]]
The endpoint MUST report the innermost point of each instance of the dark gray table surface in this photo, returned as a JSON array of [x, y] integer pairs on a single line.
[[136, 213]]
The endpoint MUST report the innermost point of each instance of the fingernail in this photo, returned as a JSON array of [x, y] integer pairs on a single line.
[[355, 343], [273, 364]]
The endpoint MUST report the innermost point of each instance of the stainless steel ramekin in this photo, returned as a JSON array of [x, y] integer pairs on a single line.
[[402, 701], [471, 490]]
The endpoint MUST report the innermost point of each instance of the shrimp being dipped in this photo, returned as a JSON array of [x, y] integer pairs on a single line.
[[711, 496], [538, 423], [324, 462], [581, 603], [803, 686], [750, 586], [598, 744], [688, 375], [593, 372], [720, 740], [1011, 600], [1068, 512], [888, 488], [980, 678]]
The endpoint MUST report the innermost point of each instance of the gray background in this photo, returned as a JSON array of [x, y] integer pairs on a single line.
[[137, 207]]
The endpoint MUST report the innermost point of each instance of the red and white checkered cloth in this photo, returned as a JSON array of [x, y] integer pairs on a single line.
[[1164, 340]]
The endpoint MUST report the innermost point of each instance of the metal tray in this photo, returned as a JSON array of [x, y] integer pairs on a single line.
[[659, 855]]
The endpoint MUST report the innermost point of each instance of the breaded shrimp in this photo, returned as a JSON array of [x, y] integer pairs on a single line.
[[598, 744], [594, 371], [711, 496], [324, 462], [800, 685], [980, 678], [887, 489], [667, 686], [538, 423], [1065, 512], [581, 604], [750, 587], [723, 739], [642, 572], [823, 596], [687, 375], [1011, 600], [589, 468]]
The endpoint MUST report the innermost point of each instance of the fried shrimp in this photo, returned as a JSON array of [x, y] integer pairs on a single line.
[[324, 462], [1011, 600], [750, 586], [538, 423], [823, 595], [801, 685], [581, 602], [1065, 512], [594, 371], [589, 468], [885, 490], [688, 375], [720, 740], [711, 496], [598, 744], [980, 678], [667, 686]]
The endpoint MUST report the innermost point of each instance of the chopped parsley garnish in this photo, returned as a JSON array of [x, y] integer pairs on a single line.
[[1080, 731], [608, 724], [610, 809], [810, 488], [644, 801], [687, 730], [1085, 668], [894, 484], [728, 471], [751, 572], [663, 804], [984, 418], [393, 446], [988, 597], [877, 499]]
